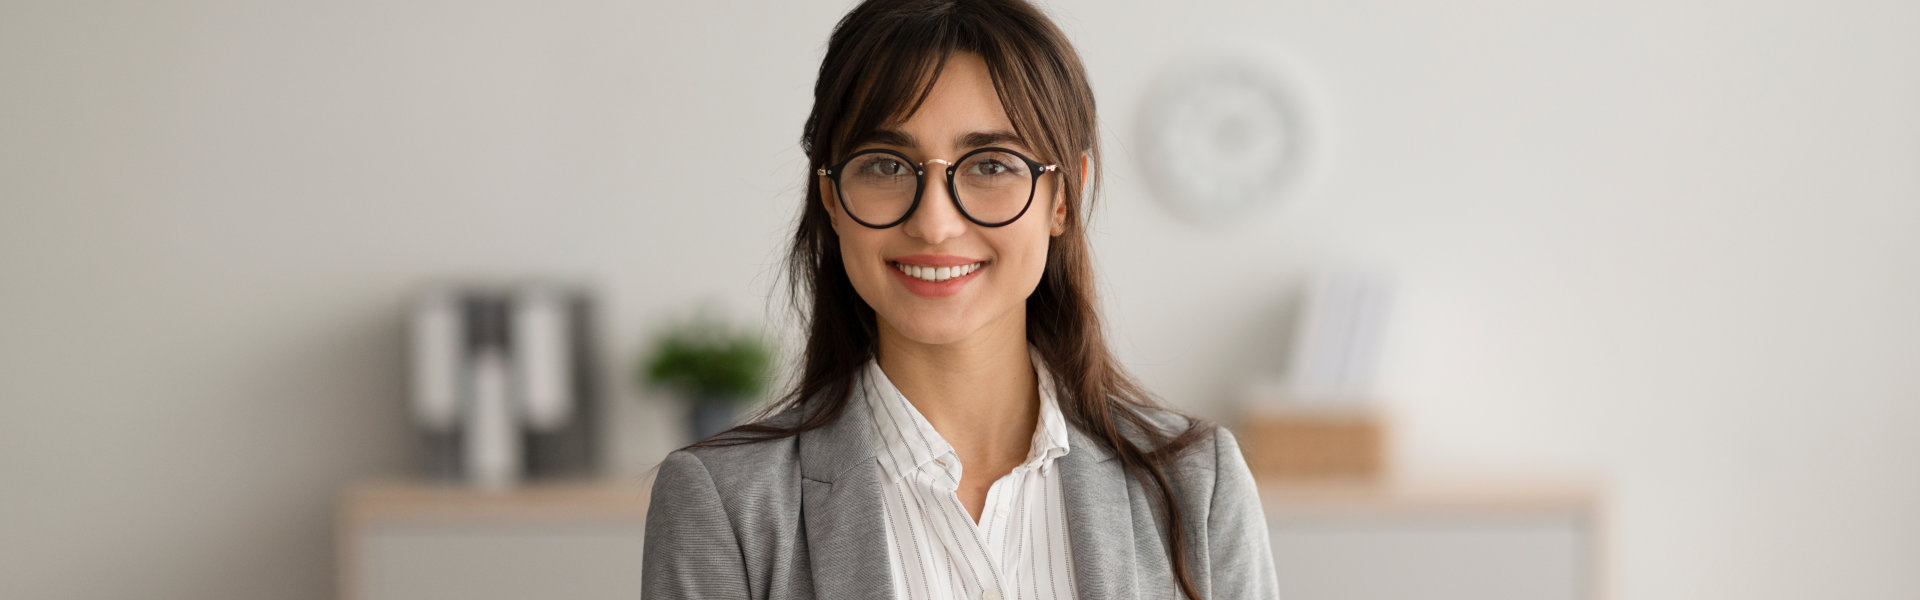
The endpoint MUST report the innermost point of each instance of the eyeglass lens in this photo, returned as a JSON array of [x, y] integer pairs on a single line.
[[991, 186]]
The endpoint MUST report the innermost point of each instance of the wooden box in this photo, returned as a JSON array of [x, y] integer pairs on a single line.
[[1315, 444]]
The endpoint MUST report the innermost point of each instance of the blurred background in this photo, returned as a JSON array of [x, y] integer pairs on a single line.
[[1662, 249]]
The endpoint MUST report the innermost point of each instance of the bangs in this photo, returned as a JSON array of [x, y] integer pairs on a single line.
[[890, 81]]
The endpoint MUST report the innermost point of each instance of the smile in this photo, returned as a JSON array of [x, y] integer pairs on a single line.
[[938, 274]]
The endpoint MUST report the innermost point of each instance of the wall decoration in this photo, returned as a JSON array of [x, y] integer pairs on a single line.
[[1224, 137]]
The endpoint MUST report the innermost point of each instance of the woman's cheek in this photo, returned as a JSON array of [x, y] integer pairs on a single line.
[[1029, 267], [852, 258]]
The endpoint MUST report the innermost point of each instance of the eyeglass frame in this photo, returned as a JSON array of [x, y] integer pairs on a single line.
[[832, 172]]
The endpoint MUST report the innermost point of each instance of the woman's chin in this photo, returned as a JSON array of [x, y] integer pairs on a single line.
[[932, 330], [933, 336]]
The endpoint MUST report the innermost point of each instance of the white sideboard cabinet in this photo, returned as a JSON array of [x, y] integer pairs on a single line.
[[1388, 541], [1394, 541], [420, 541]]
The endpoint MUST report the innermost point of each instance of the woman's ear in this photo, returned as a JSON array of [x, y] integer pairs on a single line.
[[1060, 204], [826, 203], [1059, 215]]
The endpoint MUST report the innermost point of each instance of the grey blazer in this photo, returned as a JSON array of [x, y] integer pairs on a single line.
[[798, 518]]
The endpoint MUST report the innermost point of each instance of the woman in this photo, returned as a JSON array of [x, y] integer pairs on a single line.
[[959, 429]]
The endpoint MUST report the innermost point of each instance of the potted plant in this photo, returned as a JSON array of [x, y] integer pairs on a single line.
[[717, 369]]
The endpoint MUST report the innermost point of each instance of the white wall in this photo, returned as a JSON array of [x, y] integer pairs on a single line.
[[1665, 243]]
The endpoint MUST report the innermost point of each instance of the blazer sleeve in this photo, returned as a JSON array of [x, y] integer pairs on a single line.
[[1240, 556], [690, 547]]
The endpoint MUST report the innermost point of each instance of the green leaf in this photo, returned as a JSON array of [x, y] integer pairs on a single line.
[[705, 360]]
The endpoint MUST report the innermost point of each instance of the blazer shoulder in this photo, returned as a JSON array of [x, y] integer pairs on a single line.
[[720, 518], [726, 460], [1170, 423], [754, 471], [1213, 447]]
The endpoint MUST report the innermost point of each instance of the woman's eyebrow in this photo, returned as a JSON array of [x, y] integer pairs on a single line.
[[989, 138], [888, 137], [976, 139]]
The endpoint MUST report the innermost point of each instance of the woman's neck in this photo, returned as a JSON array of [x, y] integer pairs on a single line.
[[980, 393]]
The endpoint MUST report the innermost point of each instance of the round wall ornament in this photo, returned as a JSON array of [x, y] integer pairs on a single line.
[[1223, 138]]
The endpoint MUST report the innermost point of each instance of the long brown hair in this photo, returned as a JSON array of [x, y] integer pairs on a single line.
[[880, 65]]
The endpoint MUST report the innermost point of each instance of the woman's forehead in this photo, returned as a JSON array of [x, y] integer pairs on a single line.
[[961, 109]]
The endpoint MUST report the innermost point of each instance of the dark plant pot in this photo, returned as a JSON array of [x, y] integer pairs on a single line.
[[708, 418]]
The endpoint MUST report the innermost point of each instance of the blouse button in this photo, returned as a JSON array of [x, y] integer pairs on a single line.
[[990, 595]]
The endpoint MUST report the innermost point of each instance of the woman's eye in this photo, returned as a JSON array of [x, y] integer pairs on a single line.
[[989, 167], [885, 167]]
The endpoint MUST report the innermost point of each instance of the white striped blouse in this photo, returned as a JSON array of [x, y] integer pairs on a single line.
[[1018, 550]]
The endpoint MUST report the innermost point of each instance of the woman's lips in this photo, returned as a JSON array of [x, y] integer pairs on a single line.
[[935, 260], [937, 289]]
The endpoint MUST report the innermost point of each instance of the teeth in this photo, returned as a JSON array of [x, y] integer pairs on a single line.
[[938, 274]]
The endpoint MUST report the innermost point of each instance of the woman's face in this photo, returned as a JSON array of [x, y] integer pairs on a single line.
[[960, 114]]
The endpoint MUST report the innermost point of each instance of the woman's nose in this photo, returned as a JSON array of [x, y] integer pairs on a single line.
[[937, 218]]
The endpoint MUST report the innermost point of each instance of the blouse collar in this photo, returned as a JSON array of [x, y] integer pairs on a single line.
[[908, 443]]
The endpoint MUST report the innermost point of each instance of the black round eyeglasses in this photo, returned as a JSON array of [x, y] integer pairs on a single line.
[[880, 188]]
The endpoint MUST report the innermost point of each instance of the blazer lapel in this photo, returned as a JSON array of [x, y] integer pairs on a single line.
[[1099, 519], [840, 507]]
